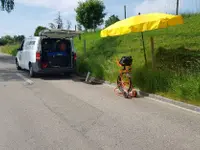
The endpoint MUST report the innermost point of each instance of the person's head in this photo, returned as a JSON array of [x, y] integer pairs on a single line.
[[62, 46]]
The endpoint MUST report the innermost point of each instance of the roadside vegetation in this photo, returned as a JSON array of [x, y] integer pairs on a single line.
[[10, 49], [10, 44]]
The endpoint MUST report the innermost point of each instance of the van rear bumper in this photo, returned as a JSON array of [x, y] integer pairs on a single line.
[[38, 69]]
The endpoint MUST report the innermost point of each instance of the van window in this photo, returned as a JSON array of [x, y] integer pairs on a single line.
[[29, 45], [32, 43]]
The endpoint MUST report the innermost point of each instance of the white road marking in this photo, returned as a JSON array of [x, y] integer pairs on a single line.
[[24, 78], [174, 105], [192, 111], [108, 85]]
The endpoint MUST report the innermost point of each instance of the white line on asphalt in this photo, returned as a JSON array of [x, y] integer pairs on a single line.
[[192, 111], [24, 78], [189, 110], [111, 86]]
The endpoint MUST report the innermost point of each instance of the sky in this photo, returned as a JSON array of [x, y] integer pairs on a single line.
[[28, 14]]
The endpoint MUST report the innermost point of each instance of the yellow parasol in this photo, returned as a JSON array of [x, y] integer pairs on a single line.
[[141, 23]]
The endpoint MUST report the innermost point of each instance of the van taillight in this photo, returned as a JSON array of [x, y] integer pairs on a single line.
[[38, 56], [75, 56], [44, 65]]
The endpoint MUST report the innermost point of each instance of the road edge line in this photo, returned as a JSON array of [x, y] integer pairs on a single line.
[[24, 78], [164, 100]]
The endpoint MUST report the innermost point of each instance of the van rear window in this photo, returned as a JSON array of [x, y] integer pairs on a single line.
[[56, 45]]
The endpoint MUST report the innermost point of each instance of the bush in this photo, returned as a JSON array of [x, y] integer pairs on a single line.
[[152, 81]]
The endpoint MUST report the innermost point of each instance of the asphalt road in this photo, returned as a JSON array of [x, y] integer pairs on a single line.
[[57, 113]]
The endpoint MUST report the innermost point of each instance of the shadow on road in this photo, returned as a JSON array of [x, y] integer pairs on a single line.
[[7, 59], [7, 75], [54, 77], [72, 77]]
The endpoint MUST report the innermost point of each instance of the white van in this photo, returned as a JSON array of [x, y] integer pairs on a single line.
[[51, 52]]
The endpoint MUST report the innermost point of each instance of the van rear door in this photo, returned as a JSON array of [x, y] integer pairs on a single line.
[[56, 53], [57, 48], [57, 33]]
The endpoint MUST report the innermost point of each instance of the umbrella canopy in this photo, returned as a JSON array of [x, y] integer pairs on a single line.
[[141, 23]]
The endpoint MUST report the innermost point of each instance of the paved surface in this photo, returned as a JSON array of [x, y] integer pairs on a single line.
[[57, 113]]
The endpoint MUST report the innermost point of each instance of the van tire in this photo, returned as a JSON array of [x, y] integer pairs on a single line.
[[31, 72], [17, 65]]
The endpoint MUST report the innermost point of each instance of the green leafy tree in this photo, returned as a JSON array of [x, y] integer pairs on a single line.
[[90, 13], [38, 30], [2, 41], [18, 38], [58, 23], [7, 5], [7, 39], [111, 20]]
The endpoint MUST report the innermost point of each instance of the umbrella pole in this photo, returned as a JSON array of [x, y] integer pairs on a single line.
[[152, 53], [145, 57]]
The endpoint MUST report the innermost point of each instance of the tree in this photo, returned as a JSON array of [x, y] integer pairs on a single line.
[[7, 5], [90, 13], [18, 38], [111, 20], [2, 41], [58, 23], [52, 26], [7, 39], [69, 24], [38, 30]]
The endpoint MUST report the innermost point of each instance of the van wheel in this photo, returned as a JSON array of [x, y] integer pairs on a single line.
[[31, 72], [17, 65]]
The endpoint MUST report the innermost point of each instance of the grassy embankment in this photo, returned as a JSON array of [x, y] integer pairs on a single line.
[[177, 59]]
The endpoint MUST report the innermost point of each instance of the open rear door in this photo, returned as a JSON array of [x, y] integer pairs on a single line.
[[57, 48], [58, 33]]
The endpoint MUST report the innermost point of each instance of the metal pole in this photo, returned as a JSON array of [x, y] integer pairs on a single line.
[[177, 7], [145, 57], [152, 53], [124, 11]]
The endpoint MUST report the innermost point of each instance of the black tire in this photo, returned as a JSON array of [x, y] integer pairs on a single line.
[[17, 65], [31, 72]]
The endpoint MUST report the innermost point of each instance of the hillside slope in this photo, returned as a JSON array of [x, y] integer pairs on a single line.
[[177, 59]]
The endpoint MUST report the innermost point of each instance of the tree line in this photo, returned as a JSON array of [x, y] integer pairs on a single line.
[[11, 40], [89, 16]]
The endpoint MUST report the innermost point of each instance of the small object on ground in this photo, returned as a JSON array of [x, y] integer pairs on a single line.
[[87, 77], [131, 94]]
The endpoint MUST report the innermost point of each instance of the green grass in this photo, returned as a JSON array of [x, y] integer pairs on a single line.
[[177, 59], [10, 49]]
